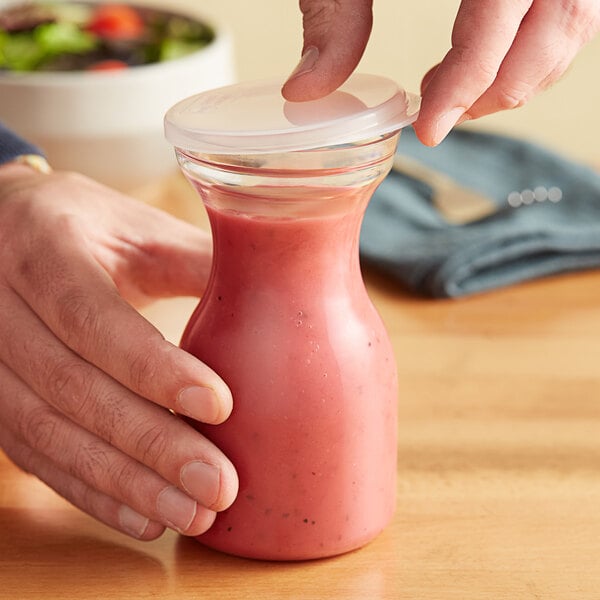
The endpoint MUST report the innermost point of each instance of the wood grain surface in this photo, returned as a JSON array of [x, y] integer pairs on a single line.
[[499, 468]]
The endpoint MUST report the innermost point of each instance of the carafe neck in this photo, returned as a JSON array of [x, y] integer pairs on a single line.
[[289, 216]]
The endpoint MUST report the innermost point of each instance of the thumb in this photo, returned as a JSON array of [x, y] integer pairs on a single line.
[[335, 37], [157, 256]]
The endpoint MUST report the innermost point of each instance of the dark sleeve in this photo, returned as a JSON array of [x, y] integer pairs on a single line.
[[11, 146]]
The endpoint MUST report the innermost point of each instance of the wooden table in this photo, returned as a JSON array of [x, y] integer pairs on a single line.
[[499, 469]]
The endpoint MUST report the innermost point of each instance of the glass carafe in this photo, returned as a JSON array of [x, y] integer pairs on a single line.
[[287, 323]]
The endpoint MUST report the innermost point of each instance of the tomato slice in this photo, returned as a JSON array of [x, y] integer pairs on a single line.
[[116, 21], [108, 65]]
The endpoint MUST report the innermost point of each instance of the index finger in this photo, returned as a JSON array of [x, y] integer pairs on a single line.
[[335, 37], [483, 33], [80, 304]]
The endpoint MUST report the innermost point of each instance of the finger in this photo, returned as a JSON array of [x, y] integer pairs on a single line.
[[547, 42], [96, 463], [148, 252], [90, 398], [427, 78], [100, 506], [335, 37], [174, 261], [77, 300], [482, 36]]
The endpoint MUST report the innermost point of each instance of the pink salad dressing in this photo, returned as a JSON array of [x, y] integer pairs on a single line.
[[287, 323]]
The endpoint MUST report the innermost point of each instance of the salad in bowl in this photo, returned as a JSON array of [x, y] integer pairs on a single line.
[[89, 82], [72, 36]]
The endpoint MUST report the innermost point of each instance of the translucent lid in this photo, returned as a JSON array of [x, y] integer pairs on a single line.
[[255, 118]]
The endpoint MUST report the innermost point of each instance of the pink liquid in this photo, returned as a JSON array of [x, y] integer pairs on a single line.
[[287, 323]]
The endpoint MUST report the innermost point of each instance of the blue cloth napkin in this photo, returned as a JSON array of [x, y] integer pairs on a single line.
[[404, 235]]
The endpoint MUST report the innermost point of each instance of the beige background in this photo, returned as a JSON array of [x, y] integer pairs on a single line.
[[408, 38]]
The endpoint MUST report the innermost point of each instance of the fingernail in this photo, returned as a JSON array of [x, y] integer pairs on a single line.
[[132, 522], [201, 481], [200, 403], [307, 62], [446, 122], [177, 509]]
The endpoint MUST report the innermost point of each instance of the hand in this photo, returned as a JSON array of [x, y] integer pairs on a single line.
[[85, 380], [503, 53]]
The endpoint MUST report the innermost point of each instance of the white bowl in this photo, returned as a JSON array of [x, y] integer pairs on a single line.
[[109, 124]]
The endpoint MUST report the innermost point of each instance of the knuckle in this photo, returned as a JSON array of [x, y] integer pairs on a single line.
[[553, 76], [482, 69], [144, 367], [151, 443], [23, 264], [91, 463], [484, 72], [37, 427], [73, 388], [321, 19], [581, 18], [105, 414], [124, 477], [67, 386], [32, 209], [75, 315], [509, 98], [319, 13]]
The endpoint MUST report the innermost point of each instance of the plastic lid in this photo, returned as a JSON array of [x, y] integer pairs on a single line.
[[254, 118]]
